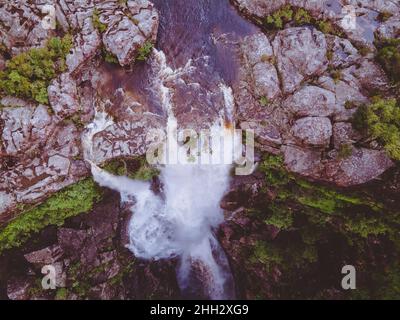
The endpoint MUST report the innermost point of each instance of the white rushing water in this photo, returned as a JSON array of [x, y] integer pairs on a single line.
[[181, 222]]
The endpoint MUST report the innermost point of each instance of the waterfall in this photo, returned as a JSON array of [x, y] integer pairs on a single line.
[[180, 223]]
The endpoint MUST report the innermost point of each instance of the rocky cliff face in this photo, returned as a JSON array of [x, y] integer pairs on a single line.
[[300, 88], [41, 148], [90, 260]]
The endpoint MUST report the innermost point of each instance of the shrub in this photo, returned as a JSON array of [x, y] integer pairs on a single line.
[[298, 17], [278, 19], [381, 121], [28, 74], [389, 57]]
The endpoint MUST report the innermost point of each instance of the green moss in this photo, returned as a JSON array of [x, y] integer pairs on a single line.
[[61, 294], [71, 201], [325, 26], [302, 16], [279, 18], [345, 151], [109, 57], [266, 254], [350, 105], [389, 288], [145, 51], [273, 168], [281, 217], [298, 17], [312, 220], [101, 27], [381, 121], [389, 57], [28, 74], [325, 205], [264, 101], [134, 168]]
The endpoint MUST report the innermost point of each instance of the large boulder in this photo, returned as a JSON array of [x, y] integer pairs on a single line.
[[127, 34], [259, 55], [314, 131], [311, 101], [300, 53]]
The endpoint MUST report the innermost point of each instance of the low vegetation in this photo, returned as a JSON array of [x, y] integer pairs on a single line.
[[145, 51], [28, 74], [381, 121], [389, 57], [101, 27], [71, 201], [298, 17], [134, 168], [319, 224]]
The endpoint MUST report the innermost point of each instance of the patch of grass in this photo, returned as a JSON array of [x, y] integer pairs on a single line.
[[350, 105], [61, 294], [389, 57], [298, 17], [134, 168], [384, 16], [336, 75], [101, 27], [312, 219], [28, 74], [71, 201], [264, 101], [281, 218], [145, 51], [109, 57], [345, 151]]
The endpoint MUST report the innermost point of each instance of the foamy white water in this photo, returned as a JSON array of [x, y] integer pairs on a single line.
[[182, 222]]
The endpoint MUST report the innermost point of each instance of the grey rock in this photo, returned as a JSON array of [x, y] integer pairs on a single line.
[[126, 35], [63, 96], [18, 288], [311, 101], [343, 133], [362, 166], [45, 256], [300, 53], [314, 131], [305, 162]]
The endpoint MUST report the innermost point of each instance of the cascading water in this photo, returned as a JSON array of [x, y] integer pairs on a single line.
[[181, 222]]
